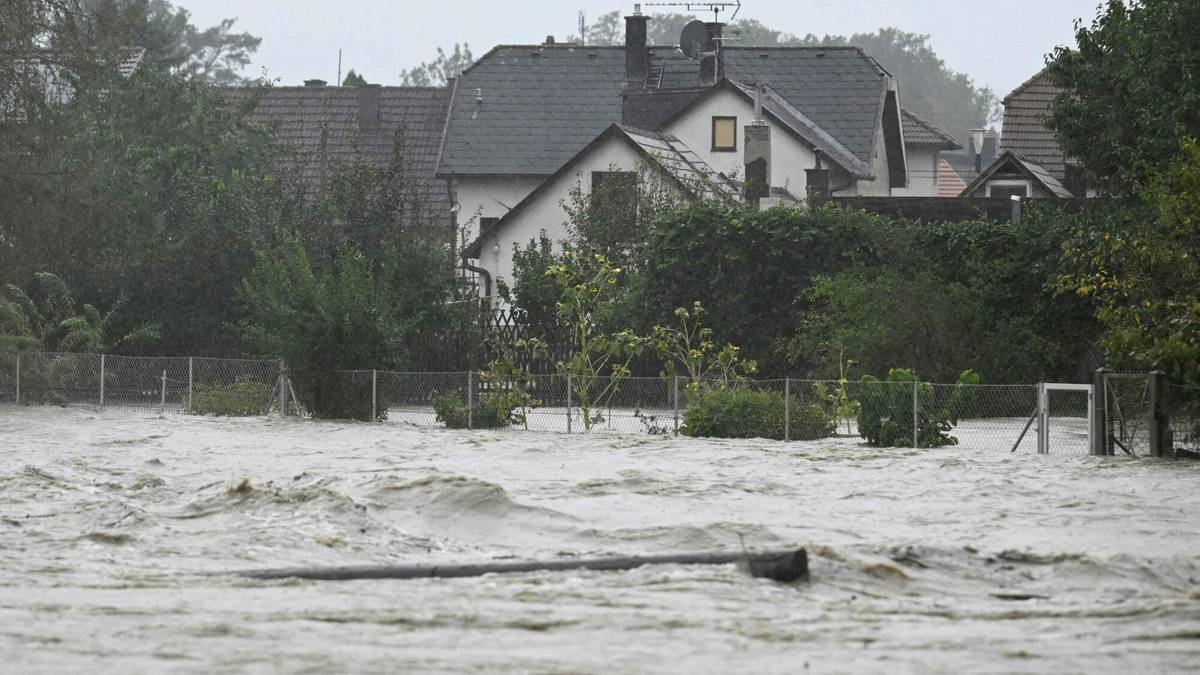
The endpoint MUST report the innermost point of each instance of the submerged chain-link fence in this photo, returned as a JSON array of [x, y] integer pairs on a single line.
[[1120, 414], [203, 386]]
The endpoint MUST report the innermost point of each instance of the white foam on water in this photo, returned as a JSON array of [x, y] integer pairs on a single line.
[[948, 560]]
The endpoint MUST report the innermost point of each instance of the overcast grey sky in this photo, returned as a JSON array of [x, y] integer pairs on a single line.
[[999, 43]]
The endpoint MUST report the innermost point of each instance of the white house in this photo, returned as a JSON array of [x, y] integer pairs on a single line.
[[787, 121]]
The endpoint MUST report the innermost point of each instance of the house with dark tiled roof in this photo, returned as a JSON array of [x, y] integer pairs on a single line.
[[924, 145], [324, 126], [781, 123], [1031, 158]]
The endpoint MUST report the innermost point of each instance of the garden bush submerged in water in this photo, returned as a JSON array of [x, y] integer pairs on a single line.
[[741, 412], [885, 410], [492, 411], [243, 398]]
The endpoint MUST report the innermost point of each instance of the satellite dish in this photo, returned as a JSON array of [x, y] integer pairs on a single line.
[[693, 39]]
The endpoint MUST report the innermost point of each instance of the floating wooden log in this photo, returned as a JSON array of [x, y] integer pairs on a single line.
[[787, 565]]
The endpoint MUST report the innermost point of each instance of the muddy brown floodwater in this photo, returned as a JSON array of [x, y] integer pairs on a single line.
[[944, 560]]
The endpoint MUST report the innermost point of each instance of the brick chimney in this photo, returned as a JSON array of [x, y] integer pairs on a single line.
[[712, 67], [637, 52], [315, 83], [368, 106]]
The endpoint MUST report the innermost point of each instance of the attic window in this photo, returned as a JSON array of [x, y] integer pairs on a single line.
[[724, 134]]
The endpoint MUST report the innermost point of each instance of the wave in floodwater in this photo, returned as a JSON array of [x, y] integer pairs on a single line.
[[112, 527]]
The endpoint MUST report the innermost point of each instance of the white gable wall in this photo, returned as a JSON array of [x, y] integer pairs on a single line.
[[922, 173], [546, 212], [488, 197], [790, 158]]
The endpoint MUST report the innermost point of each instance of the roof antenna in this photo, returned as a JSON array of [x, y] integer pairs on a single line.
[[582, 28], [339, 80]]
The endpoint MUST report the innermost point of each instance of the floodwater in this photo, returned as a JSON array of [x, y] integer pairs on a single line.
[[948, 560]]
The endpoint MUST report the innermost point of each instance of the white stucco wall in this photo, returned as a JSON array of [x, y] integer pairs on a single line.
[[488, 197], [546, 213], [790, 158], [881, 186], [922, 173]]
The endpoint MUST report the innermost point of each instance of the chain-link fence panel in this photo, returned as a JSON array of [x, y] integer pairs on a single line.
[[10, 365], [232, 387], [68, 380], [151, 384], [424, 399], [984, 416], [627, 405], [1128, 413], [1182, 407]]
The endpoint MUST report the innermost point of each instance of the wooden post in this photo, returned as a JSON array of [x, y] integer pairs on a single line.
[[568, 403], [783, 565], [102, 382], [162, 401], [916, 417], [675, 396], [190, 367], [1159, 420], [18, 379], [1043, 421], [787, 408]]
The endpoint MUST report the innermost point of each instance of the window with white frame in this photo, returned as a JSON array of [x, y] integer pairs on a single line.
[[1009, 188]]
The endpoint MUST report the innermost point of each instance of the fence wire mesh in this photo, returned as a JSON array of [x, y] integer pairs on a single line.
[[1182, 406], [877, 413], [1128, 414], [204, 386], [9, 365]]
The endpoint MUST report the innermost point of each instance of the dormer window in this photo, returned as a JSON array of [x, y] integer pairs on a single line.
[[724, 134]]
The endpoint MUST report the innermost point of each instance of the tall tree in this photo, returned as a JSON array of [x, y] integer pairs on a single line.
[[435, 73], [353, 79], [1132, 89]]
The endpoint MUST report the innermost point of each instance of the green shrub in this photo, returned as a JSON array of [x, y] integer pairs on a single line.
[[740, 412], [243, 398], [491, 411], [885, 410]]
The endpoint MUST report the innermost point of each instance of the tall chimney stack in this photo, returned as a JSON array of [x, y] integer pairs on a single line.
[[637, 52]]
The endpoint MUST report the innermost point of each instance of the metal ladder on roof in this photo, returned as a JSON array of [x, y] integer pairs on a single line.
[[654, 76]]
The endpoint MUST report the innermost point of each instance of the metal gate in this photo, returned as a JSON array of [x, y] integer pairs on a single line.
[[1066, 418], [1128, 414]]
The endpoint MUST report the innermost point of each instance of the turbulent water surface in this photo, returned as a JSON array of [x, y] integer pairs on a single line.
[[934, 561]]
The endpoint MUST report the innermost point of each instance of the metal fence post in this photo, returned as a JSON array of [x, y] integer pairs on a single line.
[[1099, 431], [675, 397], [162, 401], [787, 408], [102, 382], [916, 416], [374, 397], [189, 407], [568, 403], [1043, 422], [18, 379], [282, 388], [470, 399]]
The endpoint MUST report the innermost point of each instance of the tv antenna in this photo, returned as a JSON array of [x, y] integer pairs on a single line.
[[715, 7]]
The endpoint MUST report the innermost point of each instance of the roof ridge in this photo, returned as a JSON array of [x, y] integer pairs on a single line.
[[1025, 85]]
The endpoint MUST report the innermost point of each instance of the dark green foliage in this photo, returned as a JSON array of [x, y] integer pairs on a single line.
[[1132, 86], [490, 411], [741, 412], [322, 318], [885, 410], [531, 291], [243, 398], [354, 79]]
